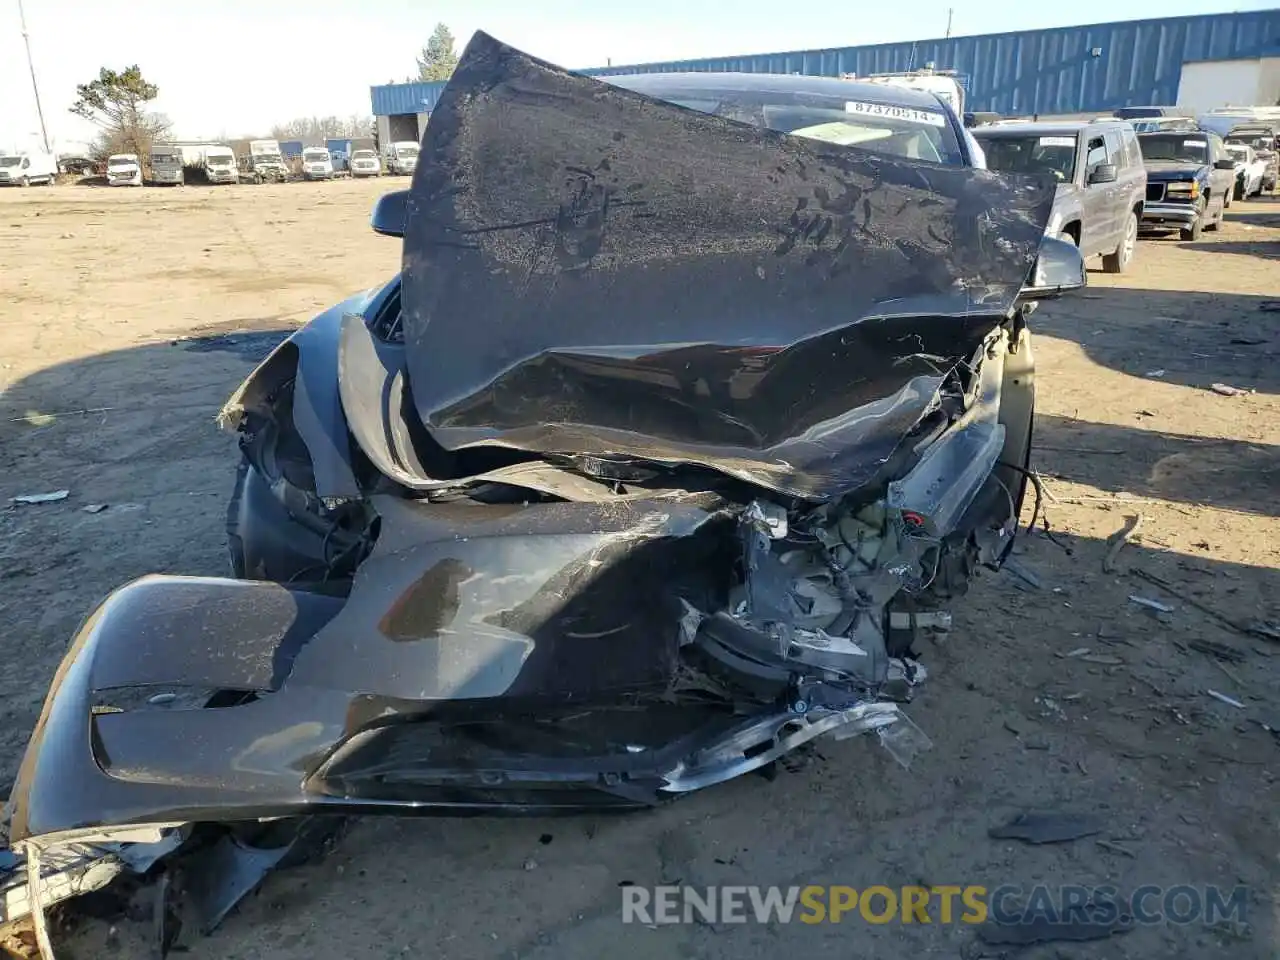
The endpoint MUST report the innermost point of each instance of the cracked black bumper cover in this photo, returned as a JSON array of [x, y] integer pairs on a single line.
[[562, 606]]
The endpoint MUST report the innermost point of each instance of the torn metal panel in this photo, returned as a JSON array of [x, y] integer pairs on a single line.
[[612, 275], [308, 358]]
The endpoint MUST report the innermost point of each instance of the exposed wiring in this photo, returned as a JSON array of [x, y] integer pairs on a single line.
[[1036, 510], [1013, 512]]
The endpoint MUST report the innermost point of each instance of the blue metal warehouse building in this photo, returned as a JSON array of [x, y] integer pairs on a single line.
[[1198, 61]]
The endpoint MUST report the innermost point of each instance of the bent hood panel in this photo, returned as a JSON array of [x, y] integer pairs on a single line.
[[589, 270]]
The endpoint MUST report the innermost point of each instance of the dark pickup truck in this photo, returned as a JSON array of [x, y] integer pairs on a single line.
[[1189, 177]]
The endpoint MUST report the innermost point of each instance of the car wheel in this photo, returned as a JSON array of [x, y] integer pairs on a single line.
[[24, 182], [1119, 261], [1216, 222], [1193, 232], [1239, 192]]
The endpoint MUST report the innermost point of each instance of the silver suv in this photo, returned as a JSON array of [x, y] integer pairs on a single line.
[[1102, 182]]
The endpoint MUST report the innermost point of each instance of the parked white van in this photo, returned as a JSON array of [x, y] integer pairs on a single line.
[[220, 165], [365, 163], [24, 169], [124, 170], [402, 157], [317, 164]]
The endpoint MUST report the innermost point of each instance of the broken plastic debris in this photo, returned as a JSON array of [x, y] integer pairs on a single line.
[[64, 873], [1021, 572], [939, 620], [690, 621], [1154, 373], [769, 517], [1089, 921], [1047, 827], [1104, 659], [1227, 390], [41, 497], [1151, 604], [1223, 698], [94, 507], [904, 740]]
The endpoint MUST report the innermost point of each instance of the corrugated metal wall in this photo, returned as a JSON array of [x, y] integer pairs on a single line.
[[400, 98], [1037, 71]]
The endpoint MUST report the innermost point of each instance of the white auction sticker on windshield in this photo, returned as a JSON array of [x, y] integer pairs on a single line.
[[1195, 143], [890, 112], [1057, 141]]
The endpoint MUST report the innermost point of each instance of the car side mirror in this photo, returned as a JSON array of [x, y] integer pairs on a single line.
[[1103, 173], [1225, 165], [1059, 269], [389, 213]]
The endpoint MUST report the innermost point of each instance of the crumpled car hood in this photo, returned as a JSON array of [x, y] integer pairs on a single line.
[[591, 271]]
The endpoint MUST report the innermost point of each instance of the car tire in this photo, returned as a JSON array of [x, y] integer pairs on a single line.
[[1118, 262], [1193, 232], [1238, 193], [1216, 223]]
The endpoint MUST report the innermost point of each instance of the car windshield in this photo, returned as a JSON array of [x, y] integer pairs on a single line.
[[1190, 147], [121, 162], [165, 158], [315, 156], [10, 161], [407, 152], [1260, 140], [219, 160], [1055, 154], [1238, 151], [363, 155], [897, 128]]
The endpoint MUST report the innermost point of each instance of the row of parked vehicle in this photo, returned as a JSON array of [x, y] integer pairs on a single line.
[[264, 163], [1121, 174], [174, 164]]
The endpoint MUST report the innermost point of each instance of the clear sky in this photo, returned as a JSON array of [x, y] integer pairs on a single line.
[[234, 67]]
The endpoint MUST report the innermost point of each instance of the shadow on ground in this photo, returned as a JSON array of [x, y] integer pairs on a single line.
[[1226, 473], [1264, 249], [1257, 218], [1197, 339]]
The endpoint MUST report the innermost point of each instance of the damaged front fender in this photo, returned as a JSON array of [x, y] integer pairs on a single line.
[[306, 365]]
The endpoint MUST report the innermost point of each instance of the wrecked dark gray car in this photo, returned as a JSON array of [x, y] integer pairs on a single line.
[[693, 406]]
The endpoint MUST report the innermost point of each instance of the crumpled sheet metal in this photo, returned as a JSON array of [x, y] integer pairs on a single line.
[[593, 271], [559, 602]]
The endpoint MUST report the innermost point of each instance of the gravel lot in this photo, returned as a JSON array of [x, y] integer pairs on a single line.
[[129, 316]]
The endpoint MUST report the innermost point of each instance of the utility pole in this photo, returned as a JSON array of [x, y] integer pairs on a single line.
[[22, 18], [950, 11]]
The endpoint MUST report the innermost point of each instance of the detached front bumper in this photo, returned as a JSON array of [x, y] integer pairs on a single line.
[[1182, 214], [129, 736]]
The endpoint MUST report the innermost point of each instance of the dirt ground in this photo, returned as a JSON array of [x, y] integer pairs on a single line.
[[129, 315]]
